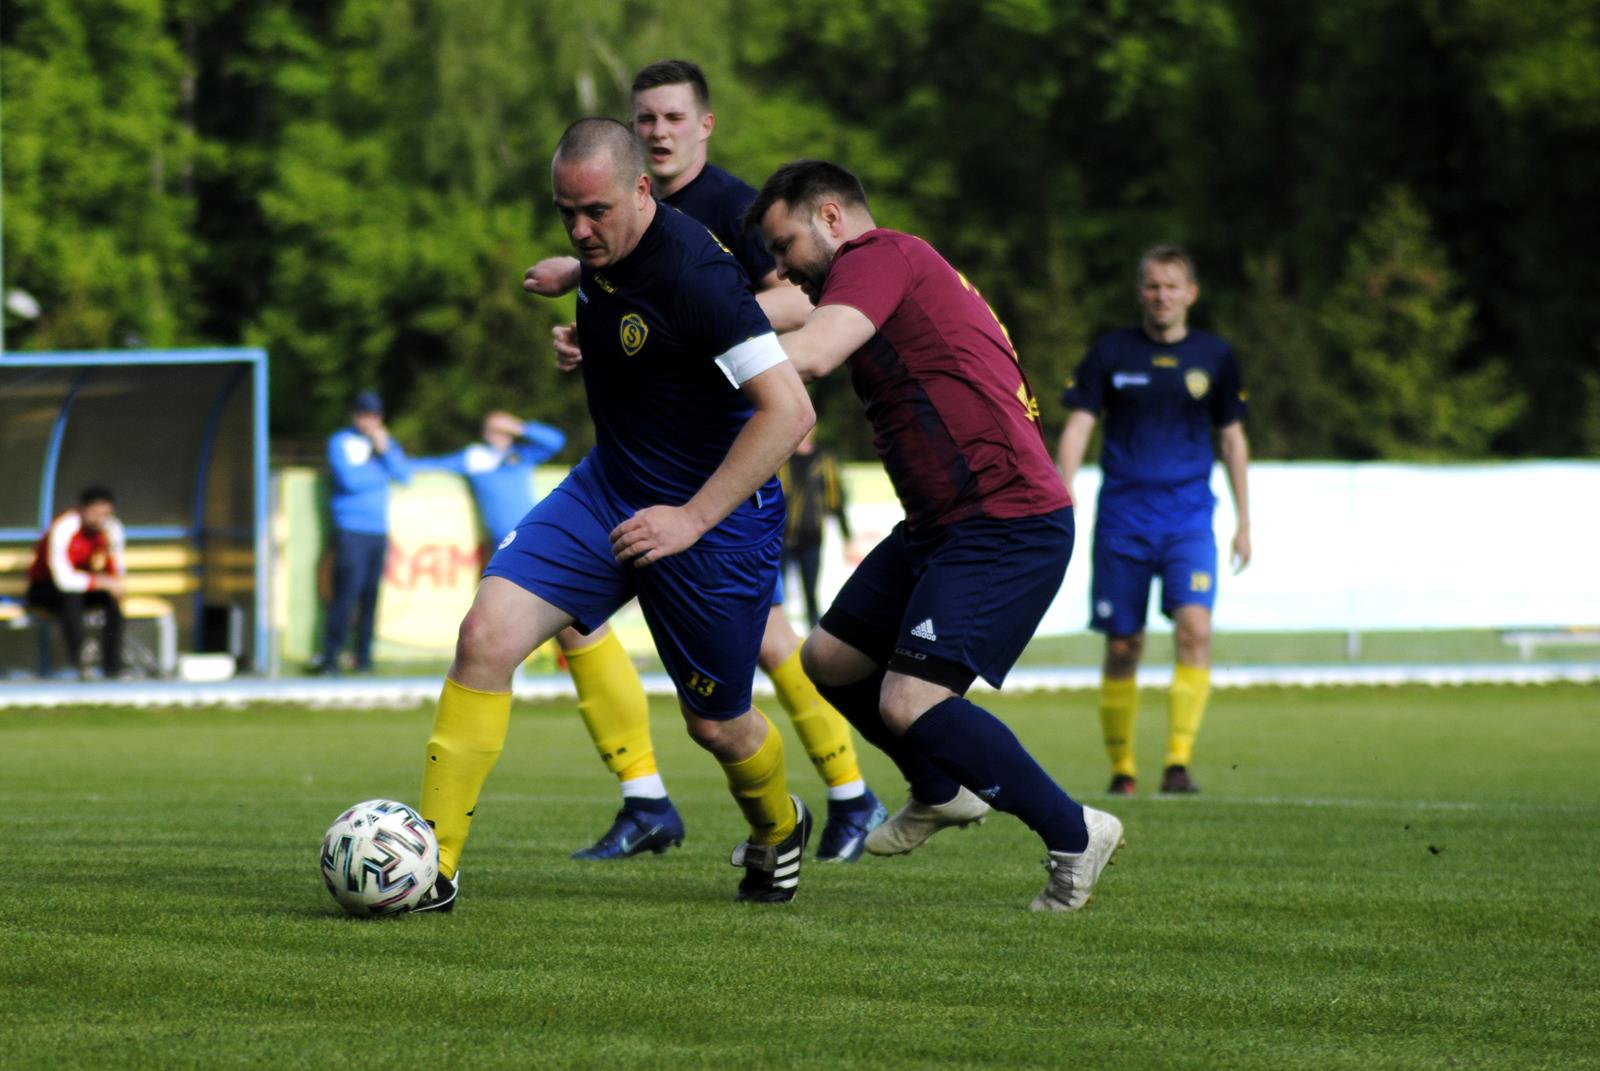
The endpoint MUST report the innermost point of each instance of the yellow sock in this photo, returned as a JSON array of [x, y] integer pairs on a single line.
[[612, 703], [823, 730], [761, 790], [1186, 705], [469, 732], [1119, 707]]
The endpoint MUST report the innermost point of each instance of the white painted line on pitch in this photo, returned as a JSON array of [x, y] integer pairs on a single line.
[[402, 692]]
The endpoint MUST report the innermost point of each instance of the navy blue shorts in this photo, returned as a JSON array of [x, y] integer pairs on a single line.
[[957, 603], [1126, 562], [706, 609]]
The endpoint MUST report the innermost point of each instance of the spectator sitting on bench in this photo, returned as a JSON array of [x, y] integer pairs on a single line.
[[78, 564]]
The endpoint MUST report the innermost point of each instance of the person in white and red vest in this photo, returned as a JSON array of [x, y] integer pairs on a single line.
[[78, 564]]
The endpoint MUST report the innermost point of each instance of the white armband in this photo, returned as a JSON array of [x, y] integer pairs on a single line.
[[750, 358]]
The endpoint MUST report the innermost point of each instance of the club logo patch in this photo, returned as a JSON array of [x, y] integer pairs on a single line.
[[1197, 382], [634, 332]]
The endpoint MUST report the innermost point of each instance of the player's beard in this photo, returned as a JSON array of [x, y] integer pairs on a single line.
[[810, 275]]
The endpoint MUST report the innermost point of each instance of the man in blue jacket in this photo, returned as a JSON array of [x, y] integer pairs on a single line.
[[499, 470], [362, 461]]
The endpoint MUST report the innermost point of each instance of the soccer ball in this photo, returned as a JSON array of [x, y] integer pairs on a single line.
[[379, 858]]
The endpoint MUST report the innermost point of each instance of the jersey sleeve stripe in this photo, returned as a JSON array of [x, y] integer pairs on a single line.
[[750, 358]]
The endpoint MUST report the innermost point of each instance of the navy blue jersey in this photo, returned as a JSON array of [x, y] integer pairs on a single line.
[[1159, 403], [718, 200], [665, 415]]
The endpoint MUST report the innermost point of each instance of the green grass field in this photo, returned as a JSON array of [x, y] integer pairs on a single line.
[[1386, 878]]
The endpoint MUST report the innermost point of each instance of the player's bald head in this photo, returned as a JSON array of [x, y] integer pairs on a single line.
[[607, 141]]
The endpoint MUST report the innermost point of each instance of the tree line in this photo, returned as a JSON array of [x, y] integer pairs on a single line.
[[1391, 204]]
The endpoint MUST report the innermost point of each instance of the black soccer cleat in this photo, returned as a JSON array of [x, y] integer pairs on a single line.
[[1122, 785], [772, 871], [1177, 782], [442, 897]]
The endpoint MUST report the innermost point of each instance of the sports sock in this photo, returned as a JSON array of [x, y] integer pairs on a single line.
[[1119, 708], [614, 709], [980, 751], [647, 787], [1186, 705], [761, 790], [850, 790], [825, 734], [469, 732], [858, 702]]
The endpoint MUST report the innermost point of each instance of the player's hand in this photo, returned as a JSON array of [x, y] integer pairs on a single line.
[[504, 422], [568, 355], [1241, 550], [552, 276], [654, 533], [379, 436]]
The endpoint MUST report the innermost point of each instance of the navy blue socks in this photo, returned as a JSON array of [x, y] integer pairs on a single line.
[[858, 703], [980, 751]]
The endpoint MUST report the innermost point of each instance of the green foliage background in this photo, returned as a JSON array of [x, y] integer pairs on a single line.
[[1391, 203]]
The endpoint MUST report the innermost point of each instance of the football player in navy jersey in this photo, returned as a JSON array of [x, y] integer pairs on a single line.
[[694, 407], [672, 116], [955, 591], [1163, 390]]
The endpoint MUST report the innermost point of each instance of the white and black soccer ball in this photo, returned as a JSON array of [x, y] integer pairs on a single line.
[[379, 858]]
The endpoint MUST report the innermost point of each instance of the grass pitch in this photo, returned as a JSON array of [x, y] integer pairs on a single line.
[[1373, 878]]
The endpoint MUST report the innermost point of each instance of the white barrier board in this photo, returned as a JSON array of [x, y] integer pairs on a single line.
[[1359, 547]]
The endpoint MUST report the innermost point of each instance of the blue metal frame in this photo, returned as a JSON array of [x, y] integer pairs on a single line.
[[208, 443], [52, 451]]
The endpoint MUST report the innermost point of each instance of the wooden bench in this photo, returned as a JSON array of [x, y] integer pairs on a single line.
[[156, 573]]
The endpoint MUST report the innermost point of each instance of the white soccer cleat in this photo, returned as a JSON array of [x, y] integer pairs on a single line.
[[1072, 875], [911, 826]]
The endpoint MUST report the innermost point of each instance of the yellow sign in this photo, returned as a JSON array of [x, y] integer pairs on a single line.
[[634, 332]]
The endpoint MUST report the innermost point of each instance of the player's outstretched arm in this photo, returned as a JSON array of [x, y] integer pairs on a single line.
[[1235, 450], [552, 276], [783, 415], [1074, 443], [785, 304], [829, 337]]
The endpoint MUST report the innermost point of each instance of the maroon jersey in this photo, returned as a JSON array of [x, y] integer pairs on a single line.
[[953, 417]]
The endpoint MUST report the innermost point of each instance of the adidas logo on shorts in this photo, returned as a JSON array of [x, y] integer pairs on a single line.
[[925, 631]]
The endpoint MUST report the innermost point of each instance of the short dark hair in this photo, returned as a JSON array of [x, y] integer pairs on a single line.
[[94, 494], [803, 185], [674, 72], [1168, 253], [587, 137]]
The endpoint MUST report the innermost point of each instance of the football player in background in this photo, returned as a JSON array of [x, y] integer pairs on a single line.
[[1164, 390]]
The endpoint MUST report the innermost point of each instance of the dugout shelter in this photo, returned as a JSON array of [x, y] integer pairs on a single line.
[[180, 437]]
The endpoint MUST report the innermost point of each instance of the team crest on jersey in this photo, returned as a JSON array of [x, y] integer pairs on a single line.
[[634, 332], [1197, 382]]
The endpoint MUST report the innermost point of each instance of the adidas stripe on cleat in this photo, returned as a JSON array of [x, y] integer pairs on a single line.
[[772, 871], [442, 897]]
